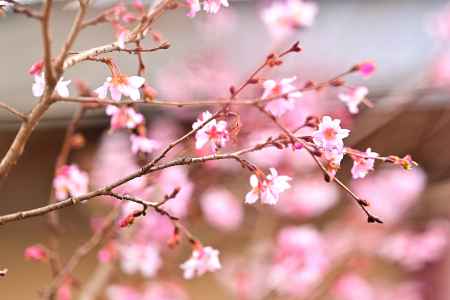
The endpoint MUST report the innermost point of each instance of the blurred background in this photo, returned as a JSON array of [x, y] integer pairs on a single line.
[[410, 89]]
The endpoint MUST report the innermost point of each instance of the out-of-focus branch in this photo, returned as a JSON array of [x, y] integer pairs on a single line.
[[14, 111], [80, 253]]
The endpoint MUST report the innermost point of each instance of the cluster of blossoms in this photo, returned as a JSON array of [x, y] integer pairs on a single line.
[[282, 17], [210, 6]]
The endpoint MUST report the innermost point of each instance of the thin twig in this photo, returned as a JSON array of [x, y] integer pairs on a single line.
[[14, 111]]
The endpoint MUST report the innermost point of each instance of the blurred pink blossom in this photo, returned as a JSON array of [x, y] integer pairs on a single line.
[[203, 259], [353, 97], [299, 262], [70, 181], [391, 191], [414, 250], [285, 103], [36, 253], [143, 144], [283, 17], [140, 258], [123, 117], [309, 197], [213, 6], [221, 209], [352, 286]]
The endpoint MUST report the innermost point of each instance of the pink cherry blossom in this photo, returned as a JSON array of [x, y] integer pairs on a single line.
[[70, 181], [194, 7], [36, 253], [300, 260], [353, 97], [39, 84], [164, 291], [203, 259], [309, 197], [213, 6], [124, 117], [284, 87], [330, 134], [221, 209], [170, 179], [391, 191], [122, 38], [36, 68], [122, 292], [64, 292], [143, 144], [366, 68], [214, 132], [267, 189], [362, 165], [414, 250], [119, 85], [283, 17], [140, 258], [351, 286]]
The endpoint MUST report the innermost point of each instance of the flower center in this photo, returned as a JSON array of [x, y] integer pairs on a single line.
[[329, 133], [119, 80]]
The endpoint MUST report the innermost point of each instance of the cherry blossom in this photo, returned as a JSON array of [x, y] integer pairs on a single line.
[[36, 253], [140, 258], [221, 209], [121, 292], [70, 181], [119, 85], [391, 191], [353, 97], [122, 38], [62, 87], [330, 134], [351, 286], [143, 144], [203, 259], [214, 132], [123, 117], [267, 189], [194, 7], [300, 260], [282, 17], [363, 165], [413, 250], [309, 197], [36, 68], [366, 68], [213, 6], [287, 93]]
